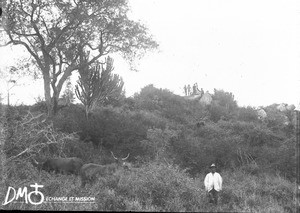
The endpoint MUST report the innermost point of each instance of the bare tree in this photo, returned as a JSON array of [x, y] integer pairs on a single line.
[[13, 75]]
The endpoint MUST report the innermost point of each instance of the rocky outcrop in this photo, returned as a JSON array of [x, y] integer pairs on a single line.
[[204, 99]]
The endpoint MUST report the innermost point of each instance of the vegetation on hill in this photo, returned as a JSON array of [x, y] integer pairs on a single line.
[[169, 152]]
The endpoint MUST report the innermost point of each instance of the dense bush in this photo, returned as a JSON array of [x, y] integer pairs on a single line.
[[169, 153], [223, 106], [39, 106], [115, 129], [225, 99], [209, 144], [234, 144], [244, 192], [217, 112], [70, 119], [164, 187], [276, 120], [247, 114], [158, 142], [168, 105]]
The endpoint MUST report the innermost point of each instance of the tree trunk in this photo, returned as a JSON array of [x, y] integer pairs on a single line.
[[8, 98], [51, 102], [56, 92], [47, 92], [57, 88], [87, 113], [55, 105]]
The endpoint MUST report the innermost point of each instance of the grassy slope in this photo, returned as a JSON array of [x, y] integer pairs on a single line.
[[161, 186]]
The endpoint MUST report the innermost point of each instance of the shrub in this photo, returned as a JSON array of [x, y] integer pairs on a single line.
[[116, 130], [33, 133], [225, 99], [208, 144], [108, 200], [70, 119], [157, 142], [223, 106], [39, 106], [158, 187], [170, 106], [247, 114], [217, 111], [244, 192], [107, 127], [277, 120], [163, 186]]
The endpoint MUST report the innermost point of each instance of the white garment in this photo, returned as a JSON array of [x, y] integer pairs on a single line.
[[213, 181]]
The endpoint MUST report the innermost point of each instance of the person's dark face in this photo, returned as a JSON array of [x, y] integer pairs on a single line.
[[213, 169]]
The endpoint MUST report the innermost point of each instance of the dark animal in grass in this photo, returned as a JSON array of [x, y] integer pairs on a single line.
[[90, 171], [60, 165], [122, 161], [200, 124]]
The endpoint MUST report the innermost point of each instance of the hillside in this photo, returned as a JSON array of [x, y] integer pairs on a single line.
[[171, 140]]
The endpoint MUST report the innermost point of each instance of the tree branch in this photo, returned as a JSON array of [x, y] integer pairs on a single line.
[[24, 34], [43, 21], [16, 42], [88, 63]]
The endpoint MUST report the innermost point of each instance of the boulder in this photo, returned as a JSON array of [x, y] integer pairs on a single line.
[[206, 99], [261, 113]]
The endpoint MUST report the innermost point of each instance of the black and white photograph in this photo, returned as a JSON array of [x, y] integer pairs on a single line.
[[150, 105]]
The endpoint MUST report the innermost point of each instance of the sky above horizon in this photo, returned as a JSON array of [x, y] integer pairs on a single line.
[[249, 48]]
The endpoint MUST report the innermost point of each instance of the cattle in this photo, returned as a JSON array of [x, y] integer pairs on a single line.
[[90, 171], [60, 165], [122, 161]]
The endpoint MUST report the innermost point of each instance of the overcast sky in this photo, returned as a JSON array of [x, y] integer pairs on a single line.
[[250, 48]]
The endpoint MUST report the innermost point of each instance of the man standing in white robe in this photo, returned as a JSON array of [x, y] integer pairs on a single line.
[[213, 184]]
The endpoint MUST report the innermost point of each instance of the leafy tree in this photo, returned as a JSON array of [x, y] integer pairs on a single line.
[[58, 33], [223, 105], [276, 120], [98, 84], [225, 99]]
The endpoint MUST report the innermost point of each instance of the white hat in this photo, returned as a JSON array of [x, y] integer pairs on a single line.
[[213, 165]]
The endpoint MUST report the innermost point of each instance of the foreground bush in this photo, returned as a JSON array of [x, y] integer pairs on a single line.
[[157, 187], [263, 193], [164, 187]]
